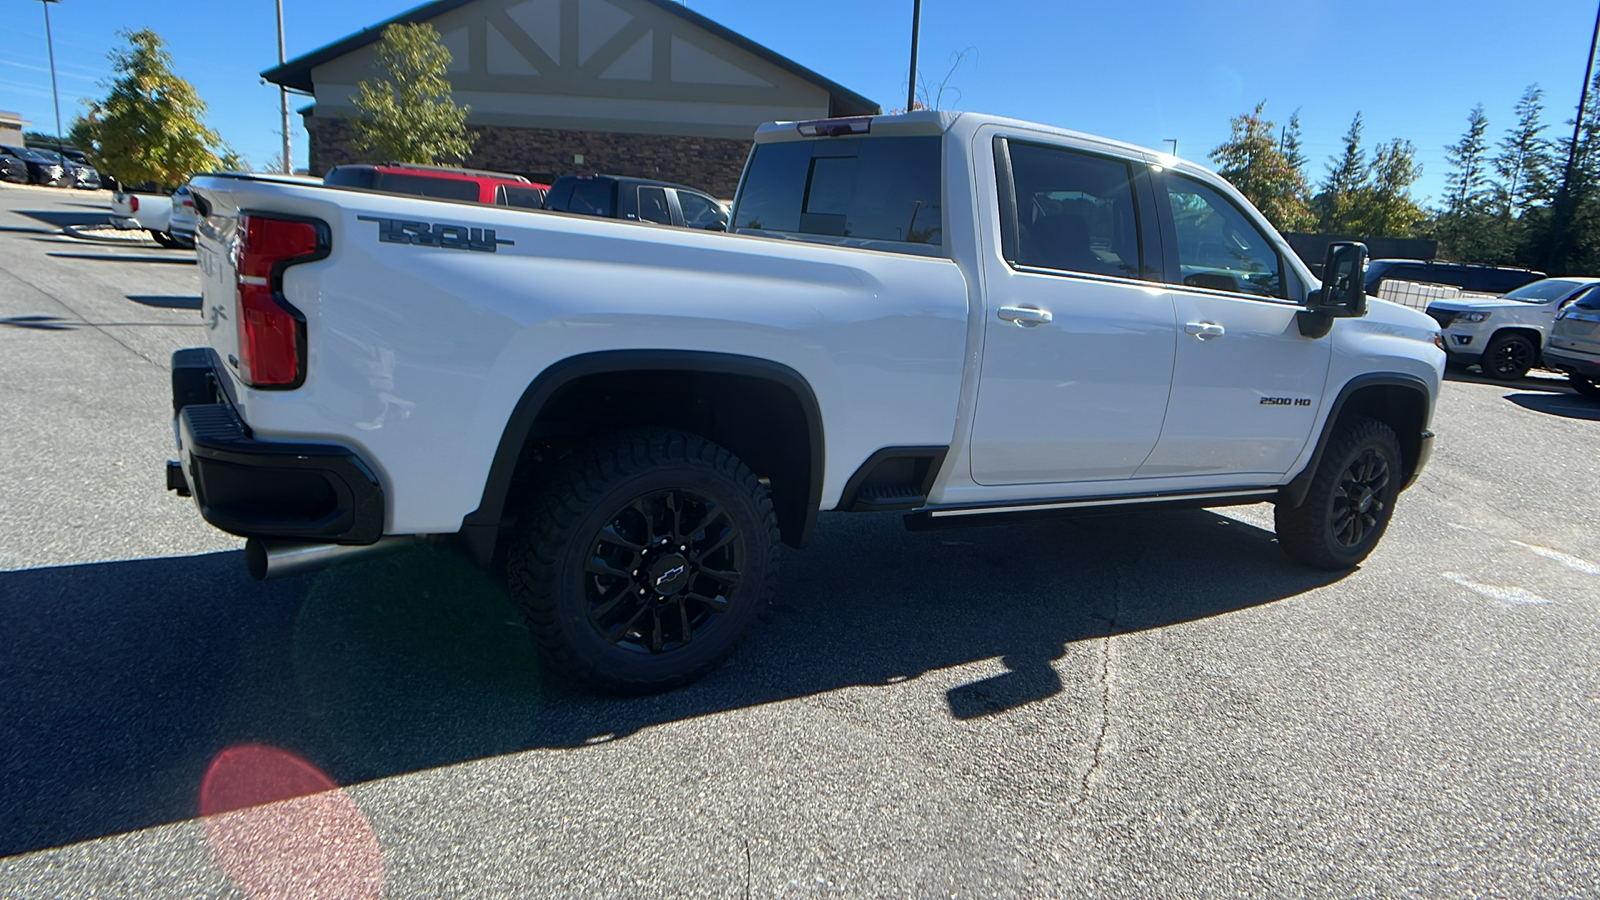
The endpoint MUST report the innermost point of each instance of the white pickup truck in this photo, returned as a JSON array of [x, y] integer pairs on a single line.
[[967, 318], [146, 212]]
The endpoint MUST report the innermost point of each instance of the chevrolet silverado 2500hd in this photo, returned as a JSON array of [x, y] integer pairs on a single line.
[[967, 318]]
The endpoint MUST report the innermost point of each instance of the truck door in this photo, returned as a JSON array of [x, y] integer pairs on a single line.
[[1247, 385], [1078, 335]]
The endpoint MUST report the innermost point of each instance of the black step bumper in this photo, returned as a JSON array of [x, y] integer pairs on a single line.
[[1571, 363], [280, 490]]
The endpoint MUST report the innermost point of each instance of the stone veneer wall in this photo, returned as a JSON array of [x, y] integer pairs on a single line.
[[710, 164]]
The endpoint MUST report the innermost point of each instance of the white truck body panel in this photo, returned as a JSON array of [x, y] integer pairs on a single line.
[[417, 356]]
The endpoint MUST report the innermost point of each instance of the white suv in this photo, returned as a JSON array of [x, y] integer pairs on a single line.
[[1575, 344], [1506, 335]]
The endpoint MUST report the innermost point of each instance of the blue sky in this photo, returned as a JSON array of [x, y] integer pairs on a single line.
[[1144, 73]]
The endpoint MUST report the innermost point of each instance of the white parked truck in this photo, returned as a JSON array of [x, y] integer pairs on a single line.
[[967, 318]]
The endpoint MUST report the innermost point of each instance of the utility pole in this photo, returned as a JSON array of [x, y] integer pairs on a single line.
[[1563, 210], [916, 24], [283, 98], [50, 44]]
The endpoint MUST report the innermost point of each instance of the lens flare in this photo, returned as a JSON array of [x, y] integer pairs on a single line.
[[281, 828]]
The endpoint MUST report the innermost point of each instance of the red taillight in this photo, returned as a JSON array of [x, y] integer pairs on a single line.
[[271, 332], [133, 205]]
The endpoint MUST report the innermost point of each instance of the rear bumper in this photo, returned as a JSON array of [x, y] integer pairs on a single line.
[[1571, 363], [279, 490]]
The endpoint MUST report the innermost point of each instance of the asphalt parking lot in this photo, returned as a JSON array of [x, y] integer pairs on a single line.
[[1154, 706]]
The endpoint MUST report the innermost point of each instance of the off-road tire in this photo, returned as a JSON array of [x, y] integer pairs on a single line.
[[1508, 357], [1320, 532], [596, 497], [1585, 385]]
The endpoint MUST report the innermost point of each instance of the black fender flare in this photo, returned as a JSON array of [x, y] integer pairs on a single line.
[[481, 526], [1294, 493]]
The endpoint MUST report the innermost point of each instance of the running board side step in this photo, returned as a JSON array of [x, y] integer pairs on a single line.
[[962, 517]]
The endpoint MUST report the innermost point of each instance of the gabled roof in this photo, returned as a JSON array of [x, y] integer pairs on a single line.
[[296, 73]]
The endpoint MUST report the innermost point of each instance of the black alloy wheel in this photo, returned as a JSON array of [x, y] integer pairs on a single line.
[[643, 559], [1358, 501], [661, 571], [1509, 357], [1350, 500]]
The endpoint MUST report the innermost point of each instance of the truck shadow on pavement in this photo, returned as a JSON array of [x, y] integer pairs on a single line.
[[125, 680], [63, 219]]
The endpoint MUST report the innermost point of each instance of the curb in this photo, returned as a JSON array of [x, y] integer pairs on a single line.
[[71, 231]]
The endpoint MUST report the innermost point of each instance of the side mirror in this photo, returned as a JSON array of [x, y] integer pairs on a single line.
[[1343, 294], [718, 225]]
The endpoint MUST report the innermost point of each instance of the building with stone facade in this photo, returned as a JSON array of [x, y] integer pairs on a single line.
[[627, 87]]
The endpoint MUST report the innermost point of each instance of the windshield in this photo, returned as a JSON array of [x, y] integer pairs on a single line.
[[1544, 291]]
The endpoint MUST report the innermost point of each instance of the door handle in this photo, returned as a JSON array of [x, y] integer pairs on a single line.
[[1026, 316], [1205, 331]]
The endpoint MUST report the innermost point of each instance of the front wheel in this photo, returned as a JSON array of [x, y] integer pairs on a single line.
[[1585, 385], [1351, 499], [644, 560], [1508, 357]]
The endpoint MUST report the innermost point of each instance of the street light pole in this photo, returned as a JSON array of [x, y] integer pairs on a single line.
[[50, 44], [1563, 205], [283, 98], [916, 22]]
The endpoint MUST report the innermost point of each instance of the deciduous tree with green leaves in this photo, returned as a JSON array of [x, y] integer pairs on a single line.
[[1386, 208], [408, 115], [1254, 160], [150, 128]]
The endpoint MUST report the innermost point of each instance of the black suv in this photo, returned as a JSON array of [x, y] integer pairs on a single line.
[[638, 199], [1490, 280]]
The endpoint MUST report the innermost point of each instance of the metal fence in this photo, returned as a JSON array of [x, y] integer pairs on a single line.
[[1418, 295]]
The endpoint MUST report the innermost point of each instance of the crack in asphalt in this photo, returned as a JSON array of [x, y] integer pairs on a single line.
[[1105, 690]]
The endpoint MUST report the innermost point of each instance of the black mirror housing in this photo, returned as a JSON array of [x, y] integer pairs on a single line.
[[1344, 290], [1343, 294]]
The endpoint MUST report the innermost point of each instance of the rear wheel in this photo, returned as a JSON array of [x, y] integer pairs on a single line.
[[1350, 501], [1585, 385], [1508, 357], [644, 560]]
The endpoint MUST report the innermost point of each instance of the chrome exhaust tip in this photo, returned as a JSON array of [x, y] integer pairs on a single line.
[[281, 559]]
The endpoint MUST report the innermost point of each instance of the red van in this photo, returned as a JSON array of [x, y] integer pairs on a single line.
[[441, 183]]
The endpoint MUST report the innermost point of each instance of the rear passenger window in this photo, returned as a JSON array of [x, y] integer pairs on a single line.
[[882, 193], [1075, 212], [653, 205], [427, 186], [520, 197], [1219, 248]]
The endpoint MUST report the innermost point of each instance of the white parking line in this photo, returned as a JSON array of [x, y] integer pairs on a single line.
[[1576, 563], [1517, 595]]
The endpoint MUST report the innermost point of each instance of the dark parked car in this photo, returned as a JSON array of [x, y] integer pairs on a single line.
[[77, 174], [638, 199], [13, 169], [41, 169], [1490, 280]]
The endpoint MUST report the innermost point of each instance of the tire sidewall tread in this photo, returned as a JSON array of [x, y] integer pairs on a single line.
[[1305, 532], [574, 499]]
